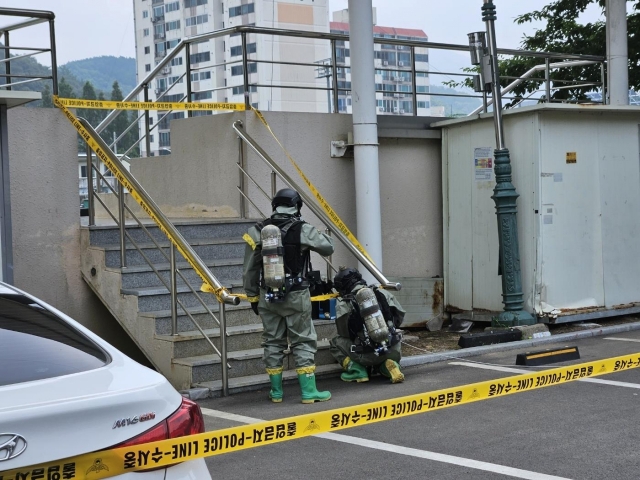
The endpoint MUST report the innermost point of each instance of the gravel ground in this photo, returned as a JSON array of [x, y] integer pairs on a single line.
[[418, 342]]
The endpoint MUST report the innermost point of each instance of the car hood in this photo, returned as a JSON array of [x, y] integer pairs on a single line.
[[75, 414]]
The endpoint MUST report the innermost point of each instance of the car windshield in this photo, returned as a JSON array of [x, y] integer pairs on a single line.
[[35, 344]]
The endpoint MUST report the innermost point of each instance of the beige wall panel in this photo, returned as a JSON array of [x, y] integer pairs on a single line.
[[45, 216]]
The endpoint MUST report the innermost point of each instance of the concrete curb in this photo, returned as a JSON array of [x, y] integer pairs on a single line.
[[502, 347]]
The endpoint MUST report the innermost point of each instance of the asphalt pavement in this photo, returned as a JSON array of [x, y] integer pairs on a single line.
[[577, 430]]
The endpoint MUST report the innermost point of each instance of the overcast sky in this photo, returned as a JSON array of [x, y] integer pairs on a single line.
[[89, 28]]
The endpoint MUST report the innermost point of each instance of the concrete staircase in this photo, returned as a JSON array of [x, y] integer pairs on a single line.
[[142, 305]]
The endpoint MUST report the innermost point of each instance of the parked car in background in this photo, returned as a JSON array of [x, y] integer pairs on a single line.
[[65, 392]]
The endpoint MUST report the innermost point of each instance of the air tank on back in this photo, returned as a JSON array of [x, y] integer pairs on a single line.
[[373, 319], [272, 257]]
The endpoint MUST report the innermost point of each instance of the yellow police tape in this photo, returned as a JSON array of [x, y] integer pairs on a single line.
[[122, 105], [318, 298], [108, 463], [121, 178], [325, 205]]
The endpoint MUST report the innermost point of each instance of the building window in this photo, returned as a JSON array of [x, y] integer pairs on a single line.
[[145, 32], [200, 96], [194, 3], [145, 14], [83, 171], [165, 139], [172, 80], [239, 90], [237, 69], [171, 43], [176, 61], [200, 76], [422, 89], [191, 21], [158, 30], [421, 57], [172, 7], [175, 25], [147, 50], [235, 51], [200, 57], [241, 10], [423, 104], [147, 67]]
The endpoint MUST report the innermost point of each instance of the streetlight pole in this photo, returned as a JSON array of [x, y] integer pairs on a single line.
[[505, 197]]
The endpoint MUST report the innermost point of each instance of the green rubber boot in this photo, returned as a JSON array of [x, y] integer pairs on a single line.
[[307, 379], [353, 372], [275, 377], [391, 369]]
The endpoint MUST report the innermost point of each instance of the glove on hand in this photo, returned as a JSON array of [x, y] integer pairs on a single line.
[[254, 307]]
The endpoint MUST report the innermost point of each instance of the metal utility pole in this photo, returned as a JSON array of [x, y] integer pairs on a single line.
[[617, 53], [505, 197], [365, 130]]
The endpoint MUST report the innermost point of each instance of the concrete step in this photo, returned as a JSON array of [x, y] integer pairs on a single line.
[[215, 249], [144, 276], [190, 230], [206, 368], [242, 337], [158, 298], [235, 316], [260, 381]]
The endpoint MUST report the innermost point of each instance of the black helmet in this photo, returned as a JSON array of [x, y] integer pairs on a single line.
[[346, 279], [287, 197]]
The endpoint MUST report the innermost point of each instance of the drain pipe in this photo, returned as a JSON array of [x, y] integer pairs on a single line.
[[365, 131], [617, 53]]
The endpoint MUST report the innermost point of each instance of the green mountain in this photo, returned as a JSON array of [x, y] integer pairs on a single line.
[[102, 71], [454, 106]]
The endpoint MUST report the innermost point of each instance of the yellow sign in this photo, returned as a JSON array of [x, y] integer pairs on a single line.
[[114, 105], [572, 157], [164, 453]]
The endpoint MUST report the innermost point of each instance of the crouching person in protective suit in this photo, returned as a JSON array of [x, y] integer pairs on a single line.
[[366, 320], [276, 263]]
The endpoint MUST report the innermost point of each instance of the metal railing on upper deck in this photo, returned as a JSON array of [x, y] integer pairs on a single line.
[[399, 84], [30, 18]]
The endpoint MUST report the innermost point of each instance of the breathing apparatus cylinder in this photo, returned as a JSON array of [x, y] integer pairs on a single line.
[[272, 257], [373, 319]]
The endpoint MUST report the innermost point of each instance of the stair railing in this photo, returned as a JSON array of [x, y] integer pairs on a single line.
[[176, 240], [311, 204]]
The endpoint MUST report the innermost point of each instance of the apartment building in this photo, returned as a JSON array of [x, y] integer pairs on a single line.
[[393, 70], [216, 68]]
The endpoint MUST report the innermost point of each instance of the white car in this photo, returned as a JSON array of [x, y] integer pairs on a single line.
[[65, 392]]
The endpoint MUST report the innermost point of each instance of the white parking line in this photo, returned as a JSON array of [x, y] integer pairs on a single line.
[[622, 339], [498, 368], [412, 452]]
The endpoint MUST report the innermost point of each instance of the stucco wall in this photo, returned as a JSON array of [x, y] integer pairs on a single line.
[[201, 173], [46, 220]]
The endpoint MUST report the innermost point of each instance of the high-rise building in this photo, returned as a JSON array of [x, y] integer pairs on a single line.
[[217, 70], [216, 65], [393, 69]]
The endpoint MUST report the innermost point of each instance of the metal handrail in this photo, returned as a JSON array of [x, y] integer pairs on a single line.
[[164, 222], [332, 37], [315, 208], [531, 71], [34, 17]]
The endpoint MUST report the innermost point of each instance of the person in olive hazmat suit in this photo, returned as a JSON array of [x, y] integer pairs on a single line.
[[353, 348], [286, 311]]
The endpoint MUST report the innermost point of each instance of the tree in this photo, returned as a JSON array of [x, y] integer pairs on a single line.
[[563, 33], [65, 90], [47, 99], [120, 124]]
